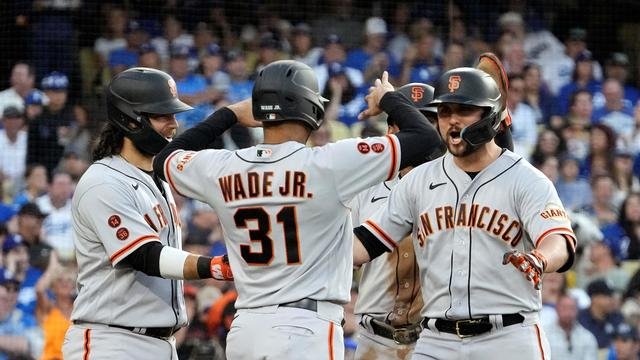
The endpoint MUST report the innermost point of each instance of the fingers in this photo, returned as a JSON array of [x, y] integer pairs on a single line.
[[385, 77]]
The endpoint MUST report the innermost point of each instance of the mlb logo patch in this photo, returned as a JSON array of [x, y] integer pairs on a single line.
[[264, 153], [271, 116]]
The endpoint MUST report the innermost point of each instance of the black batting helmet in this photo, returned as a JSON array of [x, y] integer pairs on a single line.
[[469, 86], [420, 95], [136, 93], [288, 90]]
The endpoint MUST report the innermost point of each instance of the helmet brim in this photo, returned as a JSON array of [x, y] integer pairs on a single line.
[[171, 106]]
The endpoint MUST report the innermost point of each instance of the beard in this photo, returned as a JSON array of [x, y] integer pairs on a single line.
[[456, 145]]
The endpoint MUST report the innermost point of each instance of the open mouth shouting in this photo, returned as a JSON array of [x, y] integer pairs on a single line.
[[454, 137]]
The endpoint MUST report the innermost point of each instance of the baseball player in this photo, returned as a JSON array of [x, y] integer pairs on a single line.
[[470, 213], [389, 299], [127, 231], [284, 207]]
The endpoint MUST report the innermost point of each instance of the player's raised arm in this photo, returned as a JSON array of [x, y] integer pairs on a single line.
[[202, 135], [418, 139]]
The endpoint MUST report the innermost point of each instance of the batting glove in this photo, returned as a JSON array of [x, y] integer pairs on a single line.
[[220, 268], [531, 264]]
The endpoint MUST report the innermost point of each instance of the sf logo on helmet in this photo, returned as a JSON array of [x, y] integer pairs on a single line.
[[417, 93], [454, 82]]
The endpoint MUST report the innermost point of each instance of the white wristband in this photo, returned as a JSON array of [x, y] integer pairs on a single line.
[[172, 263]]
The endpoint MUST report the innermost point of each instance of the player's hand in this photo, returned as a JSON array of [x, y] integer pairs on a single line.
[[244, 113], [220, 268], [376, 92], [531, 264]]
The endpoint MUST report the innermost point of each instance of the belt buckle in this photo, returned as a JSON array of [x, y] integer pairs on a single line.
[[402, 336], [470, 321]]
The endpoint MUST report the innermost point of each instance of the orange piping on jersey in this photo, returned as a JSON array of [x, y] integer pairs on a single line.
[[539, 341], [394, 157], [167, 173], [382, 234], [558, 230], [330, 340], [136, 242], [87, 344]]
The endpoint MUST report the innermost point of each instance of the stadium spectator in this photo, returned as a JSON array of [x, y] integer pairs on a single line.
[[45, 141], [454, 56], [558, 70], [420, 63], [29, 228], [55, 291], [623, 236], [174, 36], [548, 143], [524, 129], [123, 58], [114, 33], [602, 144], [617, 67], [602, 264], [78, 139], [15, 254], [574, 191], [149, 57], [536, 94], [555, 286], [550, 167], [339, 87], [626, 344], [269, 50], [604, 208], [373, 58], [514, 58], [36, 183], [17, 338], [241, 86], [13, 157], [342, 19], [622, 172], [601, 317], [334, 52], [582, 79], [212, 63], [57, 229], [194, 342], [568, 339], [400, 24], [616, 112], [34, 104], [302, 46], [575, 126], [22, 81]]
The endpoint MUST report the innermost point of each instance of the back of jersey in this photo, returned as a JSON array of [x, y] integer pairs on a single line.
[[284, 211]]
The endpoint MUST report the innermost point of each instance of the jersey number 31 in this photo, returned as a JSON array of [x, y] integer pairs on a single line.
[[286, 216]]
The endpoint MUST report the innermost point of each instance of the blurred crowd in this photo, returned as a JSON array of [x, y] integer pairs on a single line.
[[575, 117]]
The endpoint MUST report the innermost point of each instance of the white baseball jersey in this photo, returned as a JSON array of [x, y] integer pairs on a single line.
[[462, 227], [284, 211], [116, 209], [389, 285]]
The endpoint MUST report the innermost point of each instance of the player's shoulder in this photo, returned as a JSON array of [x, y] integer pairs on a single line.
[[524, 170], [104, 174], [268, 153]]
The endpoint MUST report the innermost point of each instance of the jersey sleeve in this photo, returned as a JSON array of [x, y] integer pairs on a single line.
[[357, 164], [542, 212], [117, 220], [187, 172], [393, 221]]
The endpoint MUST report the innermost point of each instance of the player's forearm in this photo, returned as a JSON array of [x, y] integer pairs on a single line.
[[556, 251], [197, 138], [360, 254], [418, 138], [366, 246]]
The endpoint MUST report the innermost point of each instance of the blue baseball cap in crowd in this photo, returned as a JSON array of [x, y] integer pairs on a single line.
[[11, 242], [36, 97], [55, 81], [180, 51], [214, 49], [626, 332], [333, 39], [133, 26], [147, 48], [335, 69], [584, 55]]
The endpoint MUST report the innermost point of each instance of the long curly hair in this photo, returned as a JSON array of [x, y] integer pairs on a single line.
[[109, 142]]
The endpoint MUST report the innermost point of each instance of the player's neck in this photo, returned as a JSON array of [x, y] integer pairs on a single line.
[[133, 156], [479, 159], [286, 131]]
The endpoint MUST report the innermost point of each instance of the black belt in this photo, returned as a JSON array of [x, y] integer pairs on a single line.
[[472, 327], [306, 303], [401, 335], [156, 332]]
